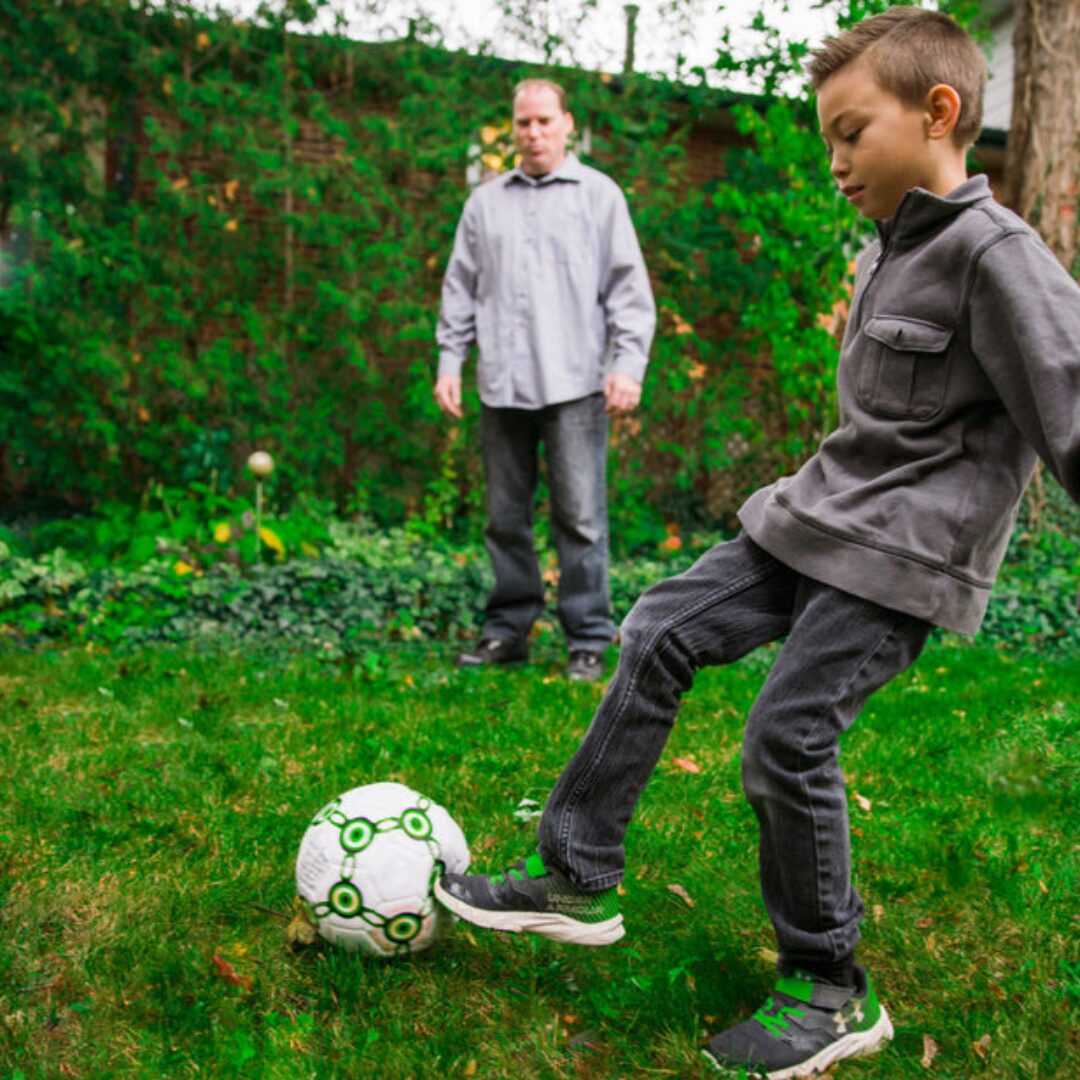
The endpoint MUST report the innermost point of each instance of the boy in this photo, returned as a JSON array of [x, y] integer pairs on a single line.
[[960, 363]]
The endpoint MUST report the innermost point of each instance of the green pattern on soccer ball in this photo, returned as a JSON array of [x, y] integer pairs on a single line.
[[345, 899], [357, 834], [416, 824], [403, 928], [325, 813]]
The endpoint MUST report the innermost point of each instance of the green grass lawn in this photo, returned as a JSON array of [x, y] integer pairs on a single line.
[[154, 803]]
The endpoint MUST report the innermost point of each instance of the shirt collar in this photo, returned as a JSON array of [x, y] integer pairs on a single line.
[[920, 210], [569, 169]]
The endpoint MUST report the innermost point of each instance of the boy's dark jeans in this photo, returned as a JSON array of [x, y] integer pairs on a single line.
[[574, 437], [839, 650]]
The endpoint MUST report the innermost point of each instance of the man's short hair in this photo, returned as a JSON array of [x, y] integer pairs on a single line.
[[542, 84], [912, 50]]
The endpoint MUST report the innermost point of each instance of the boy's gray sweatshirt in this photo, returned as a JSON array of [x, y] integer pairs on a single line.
[[960, 363]]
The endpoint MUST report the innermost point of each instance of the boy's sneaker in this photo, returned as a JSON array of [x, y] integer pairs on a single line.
[[803, 1028], [530, 898]]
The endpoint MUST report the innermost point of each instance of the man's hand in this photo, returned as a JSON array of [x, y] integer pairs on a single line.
[[448, 395], [621, 393]]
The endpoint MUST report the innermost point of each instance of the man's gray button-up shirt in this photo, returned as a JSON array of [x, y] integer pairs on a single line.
[[547, 278]]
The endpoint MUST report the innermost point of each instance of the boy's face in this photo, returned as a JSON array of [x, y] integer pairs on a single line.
[[879, 146]]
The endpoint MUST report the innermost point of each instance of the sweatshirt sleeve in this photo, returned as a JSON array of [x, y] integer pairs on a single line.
[[1025, 330], [456, 330]]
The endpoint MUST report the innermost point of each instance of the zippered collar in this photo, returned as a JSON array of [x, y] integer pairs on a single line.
[[920, 211]]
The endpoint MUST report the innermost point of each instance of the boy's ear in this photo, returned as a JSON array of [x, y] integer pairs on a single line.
[[942, 111]]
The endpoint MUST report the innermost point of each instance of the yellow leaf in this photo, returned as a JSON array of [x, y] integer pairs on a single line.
[[230, 189], [180, 183], [222, 532], [470, 1069], [180, 568], [272, 540], [308, 549], [301, 930], [232, 225], [202, 40]]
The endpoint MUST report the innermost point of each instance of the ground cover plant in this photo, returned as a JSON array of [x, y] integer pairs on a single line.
[[342, 588], [154, 802]]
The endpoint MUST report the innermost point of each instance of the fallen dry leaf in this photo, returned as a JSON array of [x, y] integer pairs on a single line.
[[864, 803], [227, 972], [929, 1052], [679, 891], [981, 1047], [301, 930], [687, 764]]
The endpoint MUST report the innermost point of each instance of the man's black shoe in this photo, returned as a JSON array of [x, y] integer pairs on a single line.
[[494, 651], [584, 666]]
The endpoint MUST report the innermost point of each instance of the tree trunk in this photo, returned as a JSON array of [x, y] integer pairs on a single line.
[[1043, 165]]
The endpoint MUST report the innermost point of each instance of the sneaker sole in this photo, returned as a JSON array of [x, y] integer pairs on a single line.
[[544, 923], [857, 1044]]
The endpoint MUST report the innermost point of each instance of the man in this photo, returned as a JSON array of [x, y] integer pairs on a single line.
[[547, 278]]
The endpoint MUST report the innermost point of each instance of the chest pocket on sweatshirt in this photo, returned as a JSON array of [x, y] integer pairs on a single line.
[[906, 366]]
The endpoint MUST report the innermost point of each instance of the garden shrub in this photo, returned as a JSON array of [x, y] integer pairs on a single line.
[[368, 587]]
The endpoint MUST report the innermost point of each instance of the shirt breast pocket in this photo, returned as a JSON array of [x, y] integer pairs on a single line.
[[906, 367]]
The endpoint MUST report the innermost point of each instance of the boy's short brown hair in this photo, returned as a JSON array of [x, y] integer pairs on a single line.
[[912, 50]]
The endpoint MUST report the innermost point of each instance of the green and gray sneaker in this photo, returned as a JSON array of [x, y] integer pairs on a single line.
[[803, 1028], [529, 898]]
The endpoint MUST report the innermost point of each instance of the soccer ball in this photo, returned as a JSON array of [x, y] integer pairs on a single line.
[[367, 865]]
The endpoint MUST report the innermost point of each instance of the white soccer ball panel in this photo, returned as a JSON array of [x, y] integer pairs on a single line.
[[367, 864]]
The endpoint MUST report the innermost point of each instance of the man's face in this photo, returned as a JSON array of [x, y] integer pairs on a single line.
[[878, 144], [541, 129]]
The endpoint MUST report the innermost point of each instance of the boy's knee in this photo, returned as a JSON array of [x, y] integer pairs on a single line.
[[769, 757], [753, 762], [645, 621]]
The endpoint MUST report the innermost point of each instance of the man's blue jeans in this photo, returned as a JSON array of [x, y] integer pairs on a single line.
[[574, 437], [839, 649]]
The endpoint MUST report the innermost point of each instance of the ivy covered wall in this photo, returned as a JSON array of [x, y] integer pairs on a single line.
[[218, 236]]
